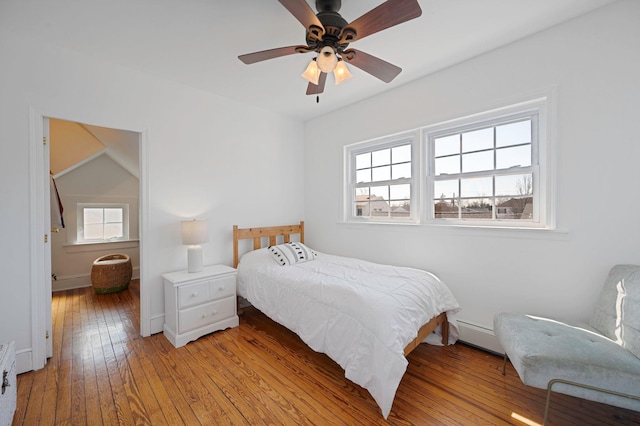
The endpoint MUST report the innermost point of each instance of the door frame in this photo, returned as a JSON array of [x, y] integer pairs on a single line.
[[40, 278]]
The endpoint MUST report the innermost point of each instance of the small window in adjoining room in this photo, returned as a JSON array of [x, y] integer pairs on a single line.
[[103, 222], [486, 171], [381, 180]]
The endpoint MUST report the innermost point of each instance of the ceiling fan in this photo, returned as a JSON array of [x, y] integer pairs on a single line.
[[329, 35]]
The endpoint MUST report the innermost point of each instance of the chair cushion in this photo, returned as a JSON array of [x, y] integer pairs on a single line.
[[617, 312], [542, 349]]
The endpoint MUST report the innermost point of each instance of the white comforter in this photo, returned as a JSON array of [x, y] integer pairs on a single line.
[[359, 313]]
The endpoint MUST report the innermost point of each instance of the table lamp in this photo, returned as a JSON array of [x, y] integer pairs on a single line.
[[194, 233]]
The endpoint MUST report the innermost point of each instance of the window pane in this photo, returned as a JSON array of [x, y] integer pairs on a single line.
[[113, 215], [363, 175], [379, 193], [477, 187], [477, 161], [477, 208], [399, 171], [400, 192], [477, 140], [447, 145], [447, 165], [513, 133], [361, 206], [93, 231], [113, 230], [445, 209], [93, 216], [519, 208], [514, 185], [401, 208], [381, 158], [401, 154], [445, 189], [514, 156], [363, 160], [381, 173]]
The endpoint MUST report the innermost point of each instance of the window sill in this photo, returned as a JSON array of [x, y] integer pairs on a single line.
[[111, 245], [464, 230]]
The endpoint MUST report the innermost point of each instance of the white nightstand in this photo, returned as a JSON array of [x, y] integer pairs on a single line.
[[199, 303]]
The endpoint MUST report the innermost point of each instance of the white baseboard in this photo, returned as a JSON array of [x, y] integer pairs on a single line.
[[157, 324], [69, 282], [480, 336], [24, 360]]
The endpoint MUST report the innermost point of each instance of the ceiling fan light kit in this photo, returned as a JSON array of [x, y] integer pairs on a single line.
[[312, 73], [329, 34]]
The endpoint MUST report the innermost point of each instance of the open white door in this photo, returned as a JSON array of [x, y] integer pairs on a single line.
[[48, 205]]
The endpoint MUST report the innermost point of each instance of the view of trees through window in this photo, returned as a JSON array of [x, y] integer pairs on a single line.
[[484, 173]]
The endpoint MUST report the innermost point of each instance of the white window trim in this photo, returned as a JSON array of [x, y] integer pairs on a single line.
[[80, 222], [421, 192], [350, 153]]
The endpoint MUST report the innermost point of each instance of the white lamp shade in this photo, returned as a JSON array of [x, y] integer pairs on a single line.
[[341, 73], [312, 73], [327, 59], [194, 232]]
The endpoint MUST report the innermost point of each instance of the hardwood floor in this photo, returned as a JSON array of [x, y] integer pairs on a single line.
[[103, 372]]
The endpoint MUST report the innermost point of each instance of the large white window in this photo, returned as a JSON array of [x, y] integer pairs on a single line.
[[103, 222], [485, 170]]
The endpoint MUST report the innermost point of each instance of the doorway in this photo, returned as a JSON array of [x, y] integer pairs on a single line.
[[41, 248]]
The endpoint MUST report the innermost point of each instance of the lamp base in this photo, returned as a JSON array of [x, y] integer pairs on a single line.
[[194, 259]]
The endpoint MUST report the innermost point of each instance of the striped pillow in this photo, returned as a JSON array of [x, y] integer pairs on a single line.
[[290, 253]]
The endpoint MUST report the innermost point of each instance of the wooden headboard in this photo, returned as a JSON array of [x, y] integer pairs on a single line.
[[257, 234]]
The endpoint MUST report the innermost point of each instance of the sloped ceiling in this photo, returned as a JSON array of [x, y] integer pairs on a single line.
[[74, 144], [196, 42]]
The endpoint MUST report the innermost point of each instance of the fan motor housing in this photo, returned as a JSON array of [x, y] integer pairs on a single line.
[[333, 24]]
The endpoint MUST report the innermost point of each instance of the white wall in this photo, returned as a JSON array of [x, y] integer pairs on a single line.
[[592, 66], [100, 180], [206, 157]]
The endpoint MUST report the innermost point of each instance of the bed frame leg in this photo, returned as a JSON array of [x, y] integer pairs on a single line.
[[504, 365], [444, 328]]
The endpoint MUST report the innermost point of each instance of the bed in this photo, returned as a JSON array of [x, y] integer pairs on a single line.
[[367, 317]]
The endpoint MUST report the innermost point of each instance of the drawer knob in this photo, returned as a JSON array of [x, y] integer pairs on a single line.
[[204, 315], [194, 294], [214, 312], [221, 288]]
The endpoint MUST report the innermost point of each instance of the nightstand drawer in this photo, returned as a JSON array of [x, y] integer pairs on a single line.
[[194, 294], [222, 287], [200, 316]]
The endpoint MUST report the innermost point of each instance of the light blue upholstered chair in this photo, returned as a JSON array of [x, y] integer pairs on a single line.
[[599, 361]]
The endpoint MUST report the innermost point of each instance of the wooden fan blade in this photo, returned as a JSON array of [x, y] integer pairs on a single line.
[[374, 66], [302, 12], [251, 58], [312, 89], [388, 14]]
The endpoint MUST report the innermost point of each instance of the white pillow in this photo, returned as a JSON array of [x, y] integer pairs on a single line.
[[290, 253]]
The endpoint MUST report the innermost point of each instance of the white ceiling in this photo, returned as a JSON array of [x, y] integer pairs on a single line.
[[196, 42]]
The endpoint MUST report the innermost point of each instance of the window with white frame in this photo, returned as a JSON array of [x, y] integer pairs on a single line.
[[484, 170], [381, 180], [102, 222]]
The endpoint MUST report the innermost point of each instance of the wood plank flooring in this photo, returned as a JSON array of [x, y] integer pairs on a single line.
[[103, 373]]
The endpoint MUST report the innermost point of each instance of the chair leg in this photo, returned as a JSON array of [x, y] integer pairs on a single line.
[[580, 385], [504, 365]]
